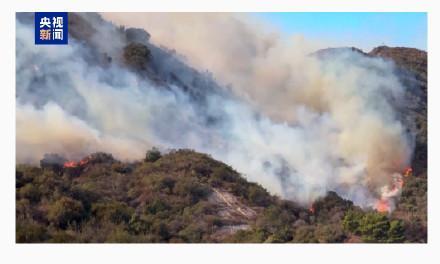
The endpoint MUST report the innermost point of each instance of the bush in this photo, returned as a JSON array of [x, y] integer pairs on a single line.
[[121, 168], [115, 212], [30, 192], [275, 218], [248, 236], [258, 196], [396, 233], [282, 235], [137, 55], [192, 233], [65, 211], [352, 221], [139, 225], [119, 235], [166, 184], [153, 155], [329, 234], [222, 173], [305, 234], [374, 227], [191, 189], [30, 232], [156, 206], [62, 237]]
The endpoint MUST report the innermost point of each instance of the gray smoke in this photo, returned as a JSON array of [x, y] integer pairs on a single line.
[[298, 124]]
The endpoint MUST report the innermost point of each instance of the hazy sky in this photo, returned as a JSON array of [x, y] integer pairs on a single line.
[[363, 30]]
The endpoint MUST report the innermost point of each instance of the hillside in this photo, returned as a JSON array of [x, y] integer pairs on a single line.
[[183, 196]]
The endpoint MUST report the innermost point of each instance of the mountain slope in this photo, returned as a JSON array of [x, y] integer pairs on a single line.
[[182, 196]]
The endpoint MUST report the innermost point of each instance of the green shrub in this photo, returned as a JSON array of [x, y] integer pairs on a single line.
[[156, 206], [248, 236], [120, 235], [396, 232], [258, 196], [30, 232], [30, 192], [222, 173], [153, 155], [115, 212], [192, 233], [62, 237], [352, 221], [332, 233], [305, 234], [374, 227], [139, 225], [65, 211], [191, 189]]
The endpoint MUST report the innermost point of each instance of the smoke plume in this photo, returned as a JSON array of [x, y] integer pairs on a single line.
[[299, 124]]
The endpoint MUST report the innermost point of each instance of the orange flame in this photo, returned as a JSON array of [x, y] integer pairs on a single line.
[[70, 164], [382, 206], [312, 209], [74, 164], [408, 172]]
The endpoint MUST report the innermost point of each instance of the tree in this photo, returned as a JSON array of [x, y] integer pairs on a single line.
[[374, 227], [137, 55], [396, 233], [352, 221]]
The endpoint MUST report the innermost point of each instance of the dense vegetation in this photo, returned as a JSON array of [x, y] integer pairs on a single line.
[[184, 196]]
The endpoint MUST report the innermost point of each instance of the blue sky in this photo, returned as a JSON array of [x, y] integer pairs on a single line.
[[363, 30]]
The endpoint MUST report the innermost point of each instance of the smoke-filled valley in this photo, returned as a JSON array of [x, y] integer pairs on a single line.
[[331, 133]]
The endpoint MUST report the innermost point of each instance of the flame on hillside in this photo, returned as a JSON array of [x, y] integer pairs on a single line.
[[75, 164], [389, 193]]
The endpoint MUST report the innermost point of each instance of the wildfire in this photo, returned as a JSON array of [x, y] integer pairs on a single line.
[[389, 193], [408, 172], [312, 209], [74, 164], [383, 206], [70, 164]]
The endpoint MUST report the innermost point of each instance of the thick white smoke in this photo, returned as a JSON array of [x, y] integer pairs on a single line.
[[297, 124]]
